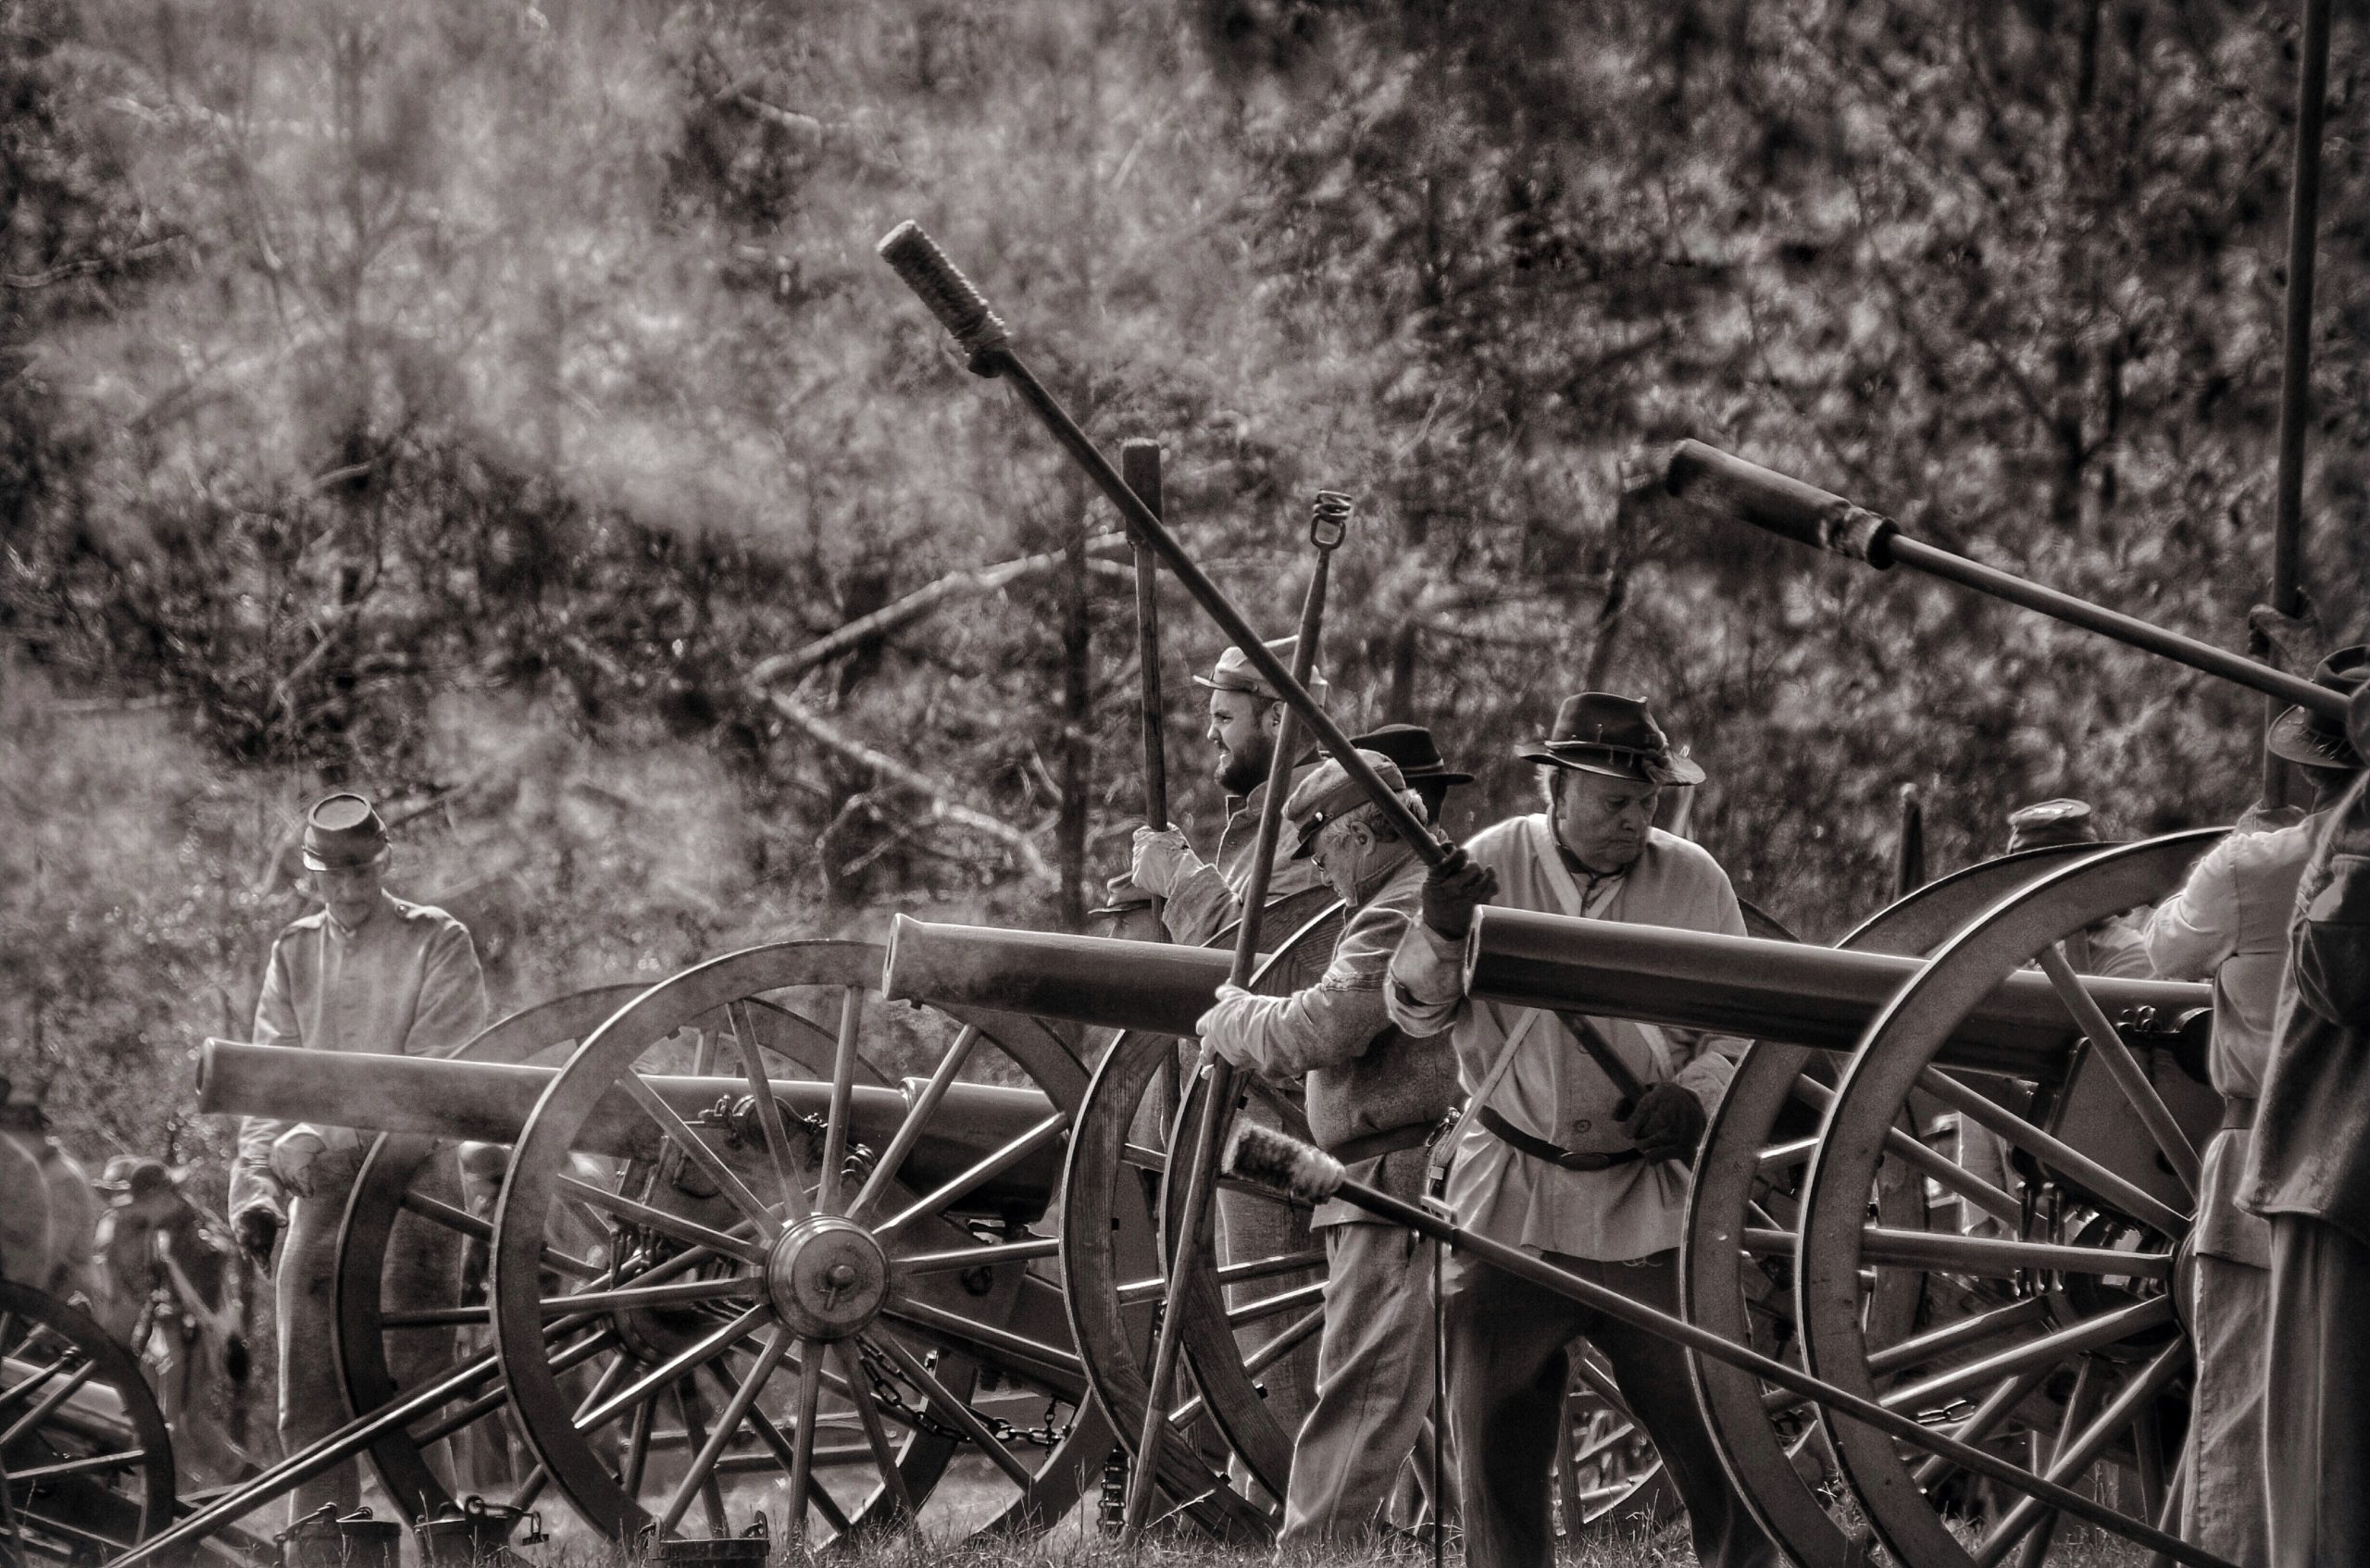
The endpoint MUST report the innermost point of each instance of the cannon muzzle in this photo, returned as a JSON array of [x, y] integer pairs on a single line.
[[1803, 995], [490, 1102]]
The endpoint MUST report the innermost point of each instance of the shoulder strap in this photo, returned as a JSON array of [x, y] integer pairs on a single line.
[[1444, 1152]]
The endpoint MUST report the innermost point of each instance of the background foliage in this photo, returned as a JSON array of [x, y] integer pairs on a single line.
[[460, 401]]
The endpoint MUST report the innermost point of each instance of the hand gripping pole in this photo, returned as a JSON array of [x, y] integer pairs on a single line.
[[1271, 1158], [1721, 482]]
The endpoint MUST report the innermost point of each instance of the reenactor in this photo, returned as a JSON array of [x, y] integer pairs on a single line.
[[1547, 1163], [368, 972], [1374, 1096], [2228, 924], [2307, 1172], [1201, 897]]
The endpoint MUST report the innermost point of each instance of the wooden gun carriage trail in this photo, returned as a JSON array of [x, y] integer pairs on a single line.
[[722, 1267]]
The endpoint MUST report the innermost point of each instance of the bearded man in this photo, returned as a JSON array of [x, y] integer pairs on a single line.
[[1548, 1164]]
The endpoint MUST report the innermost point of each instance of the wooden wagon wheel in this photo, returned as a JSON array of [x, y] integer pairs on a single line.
[[405, 1183], [1113, 1295], [2075, 1338], [86, 1464], [1747, 1182], [864, 1243]]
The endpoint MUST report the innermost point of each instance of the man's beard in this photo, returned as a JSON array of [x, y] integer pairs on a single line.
[[1240, 772]]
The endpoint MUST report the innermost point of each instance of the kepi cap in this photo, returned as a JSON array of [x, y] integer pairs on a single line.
[[2301, 735], [1235, 672], [1329, 792], [343, 831], [2045, 824], [1599, 733]]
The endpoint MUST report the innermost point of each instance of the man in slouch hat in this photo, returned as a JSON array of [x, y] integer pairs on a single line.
[[1547, 1163], [368, 972], [1374, 1094], [1411, 746], [2307, 1167], [1201, 898]]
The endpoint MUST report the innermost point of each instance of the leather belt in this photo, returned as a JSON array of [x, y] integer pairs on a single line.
[[1372, 1145], [2237, 1114], [1540, 1149]]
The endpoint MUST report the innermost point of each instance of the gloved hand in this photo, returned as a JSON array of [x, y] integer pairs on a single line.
[[255, 1229], [1667, 1124], [1452, 893], [1218, 1029], [1160, 858]]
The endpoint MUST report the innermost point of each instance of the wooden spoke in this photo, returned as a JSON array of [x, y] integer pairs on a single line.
[[761, 1091], [2107, 1045], [1985, 1419], [728, 1182], [876, 1434], [2072, 1457], [626, 1298], [802, 1433], [48, 1404], [1155, 1290], [779, 1446], [910, 1366], [1144, 1157], [955, 1260], [835, 1130], [1957, 1335], [1047, 1366], [1982, 1256], [701, 1472], [34, 1382], [637, 1454], [662, 1375], [909, 1131], [2090, 1335], [440, 1213], [711, 1494], [659, 1220], [94, 1464], [1282, 1302], [1954, 1177], [1788, 1156], [2054, 1152], [981, 1172], [1283, 1344]]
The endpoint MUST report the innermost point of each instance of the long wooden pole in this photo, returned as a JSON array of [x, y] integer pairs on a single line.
[[2295, 353], [1139, 465], [1218, 1106]]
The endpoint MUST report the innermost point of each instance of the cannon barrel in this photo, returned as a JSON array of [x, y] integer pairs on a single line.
[[489, 1103], [1791, 991], [1726, 484]]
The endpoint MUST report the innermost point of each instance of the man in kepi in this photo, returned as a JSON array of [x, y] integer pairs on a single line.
[[367, 972], [1545, 1163], [1374, 1094], [1203, 897]]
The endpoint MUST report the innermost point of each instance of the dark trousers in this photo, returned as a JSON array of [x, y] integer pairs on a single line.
[[2316, 1426], [1507, 1373]]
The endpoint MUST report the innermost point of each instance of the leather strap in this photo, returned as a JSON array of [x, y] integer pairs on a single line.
[[1370, 1145], [1540, 1149]]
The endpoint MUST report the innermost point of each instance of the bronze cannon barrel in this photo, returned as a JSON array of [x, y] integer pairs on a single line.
[[490, 1102], [1101, 981], [1791, 991], [1819, 997]]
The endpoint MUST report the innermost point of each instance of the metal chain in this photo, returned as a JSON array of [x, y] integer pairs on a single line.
[[885, 1392]]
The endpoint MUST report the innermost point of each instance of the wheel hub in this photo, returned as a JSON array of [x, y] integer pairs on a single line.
[[827, 1277]]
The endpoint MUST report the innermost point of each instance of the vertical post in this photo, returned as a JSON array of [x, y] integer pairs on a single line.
[[2296, 354], [1909, 850], [1139, 465]]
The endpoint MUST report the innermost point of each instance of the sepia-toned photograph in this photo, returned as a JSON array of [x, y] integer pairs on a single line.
[[1184, 783]]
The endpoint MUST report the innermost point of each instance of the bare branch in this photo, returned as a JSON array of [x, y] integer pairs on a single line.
[[942, 805]]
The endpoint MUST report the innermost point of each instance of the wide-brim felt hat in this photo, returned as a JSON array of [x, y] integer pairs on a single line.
[[1413, 747], [2301, 735], [1329, 792], [1235, 672], [343, 831], [1599, 733]]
